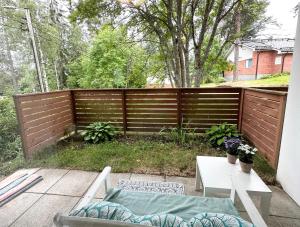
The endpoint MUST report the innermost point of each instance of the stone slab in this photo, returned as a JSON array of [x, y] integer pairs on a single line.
[[188, 182], [282, 204], [50, 177], [287, 222], [74, 183], [43, 211], [114, 179], [272, 221], [16, 207], [146, 177]]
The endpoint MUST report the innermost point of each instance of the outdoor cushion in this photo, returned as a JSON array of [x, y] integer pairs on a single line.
[[186, 207], [112, 211]]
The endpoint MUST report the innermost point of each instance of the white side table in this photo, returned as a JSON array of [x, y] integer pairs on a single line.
[[216, 173]]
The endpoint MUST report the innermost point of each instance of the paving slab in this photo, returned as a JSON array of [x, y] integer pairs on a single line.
[[43, 211], [287, 222], [50, 177], [272, 221], [146, 177], [282, 204], [189, 184], [14, 208], [74, 183], [114, 179], [29, 171]]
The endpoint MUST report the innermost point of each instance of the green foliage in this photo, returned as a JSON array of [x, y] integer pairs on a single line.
[[179, 136], [275, 75], [217, 133], [99, 132], [10, 144], [111, 62]]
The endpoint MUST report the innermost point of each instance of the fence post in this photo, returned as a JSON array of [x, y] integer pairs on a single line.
[[124, 110], [20, 125], [73, 101], [280, 127], [179, 113], [241, 110]]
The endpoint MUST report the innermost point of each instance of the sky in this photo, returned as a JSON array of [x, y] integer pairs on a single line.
[[283, 13]]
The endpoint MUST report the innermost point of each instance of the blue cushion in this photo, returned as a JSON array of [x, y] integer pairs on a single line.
[[113, 211], [186, 207]]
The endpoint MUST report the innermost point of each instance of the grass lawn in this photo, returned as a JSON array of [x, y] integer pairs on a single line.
[[272, 81], [138, 154]]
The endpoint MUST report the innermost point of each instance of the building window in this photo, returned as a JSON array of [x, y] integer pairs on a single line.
[[249, 63], [278, 60]]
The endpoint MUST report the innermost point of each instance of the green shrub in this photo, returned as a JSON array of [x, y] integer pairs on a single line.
[[215, 79], [10, 143], [217, 133], [99, 132], [275, 75], [179, 135]]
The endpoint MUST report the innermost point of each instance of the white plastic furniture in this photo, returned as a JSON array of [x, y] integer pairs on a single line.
[[216, 175]]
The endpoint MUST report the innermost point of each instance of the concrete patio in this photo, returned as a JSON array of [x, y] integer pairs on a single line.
[[62, 189]]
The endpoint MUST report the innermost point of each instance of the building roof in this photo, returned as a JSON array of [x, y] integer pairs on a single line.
[[280, 45]]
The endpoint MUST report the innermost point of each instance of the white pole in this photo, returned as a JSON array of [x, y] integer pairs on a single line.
[[288, 173]]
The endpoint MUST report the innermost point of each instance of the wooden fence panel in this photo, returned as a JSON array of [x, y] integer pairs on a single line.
[[262, 121], [43, 119], [203, 108], [98, 105], [150, 110]]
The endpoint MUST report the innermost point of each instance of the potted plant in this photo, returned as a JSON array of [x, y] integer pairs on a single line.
[[231, 145], [246, 154]]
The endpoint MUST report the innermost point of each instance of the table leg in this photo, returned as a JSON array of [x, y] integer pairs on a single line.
[[265, 201], [197, 178]]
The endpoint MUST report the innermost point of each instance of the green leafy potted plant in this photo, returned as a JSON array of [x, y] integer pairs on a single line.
[[231, 145], [246, 154]]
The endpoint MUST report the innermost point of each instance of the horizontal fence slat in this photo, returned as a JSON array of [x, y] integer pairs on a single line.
[[188, 96], [47, 119], [43, 102], [149, 120]]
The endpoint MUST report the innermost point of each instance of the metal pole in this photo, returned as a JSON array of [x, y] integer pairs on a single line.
[[34, 49]]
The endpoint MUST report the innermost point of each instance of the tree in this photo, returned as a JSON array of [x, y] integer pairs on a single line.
[[113, 61], [180, 28], [58, 42]]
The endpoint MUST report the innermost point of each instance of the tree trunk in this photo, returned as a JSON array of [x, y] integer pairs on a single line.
[[12, 68], [187, 64], [236, 46], [44, 74], [198, 68]]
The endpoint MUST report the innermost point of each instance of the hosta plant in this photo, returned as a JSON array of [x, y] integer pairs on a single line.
[[99, 132], [217, 133]]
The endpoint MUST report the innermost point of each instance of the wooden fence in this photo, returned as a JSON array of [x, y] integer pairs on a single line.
[[149, 110], [262, 120], [44, 118]]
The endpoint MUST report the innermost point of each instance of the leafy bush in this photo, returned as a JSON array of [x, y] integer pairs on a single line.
[[10, 143], [216, 79], [99, 132], [217, 133], [246, 153], [178, 135], [275, 75]]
